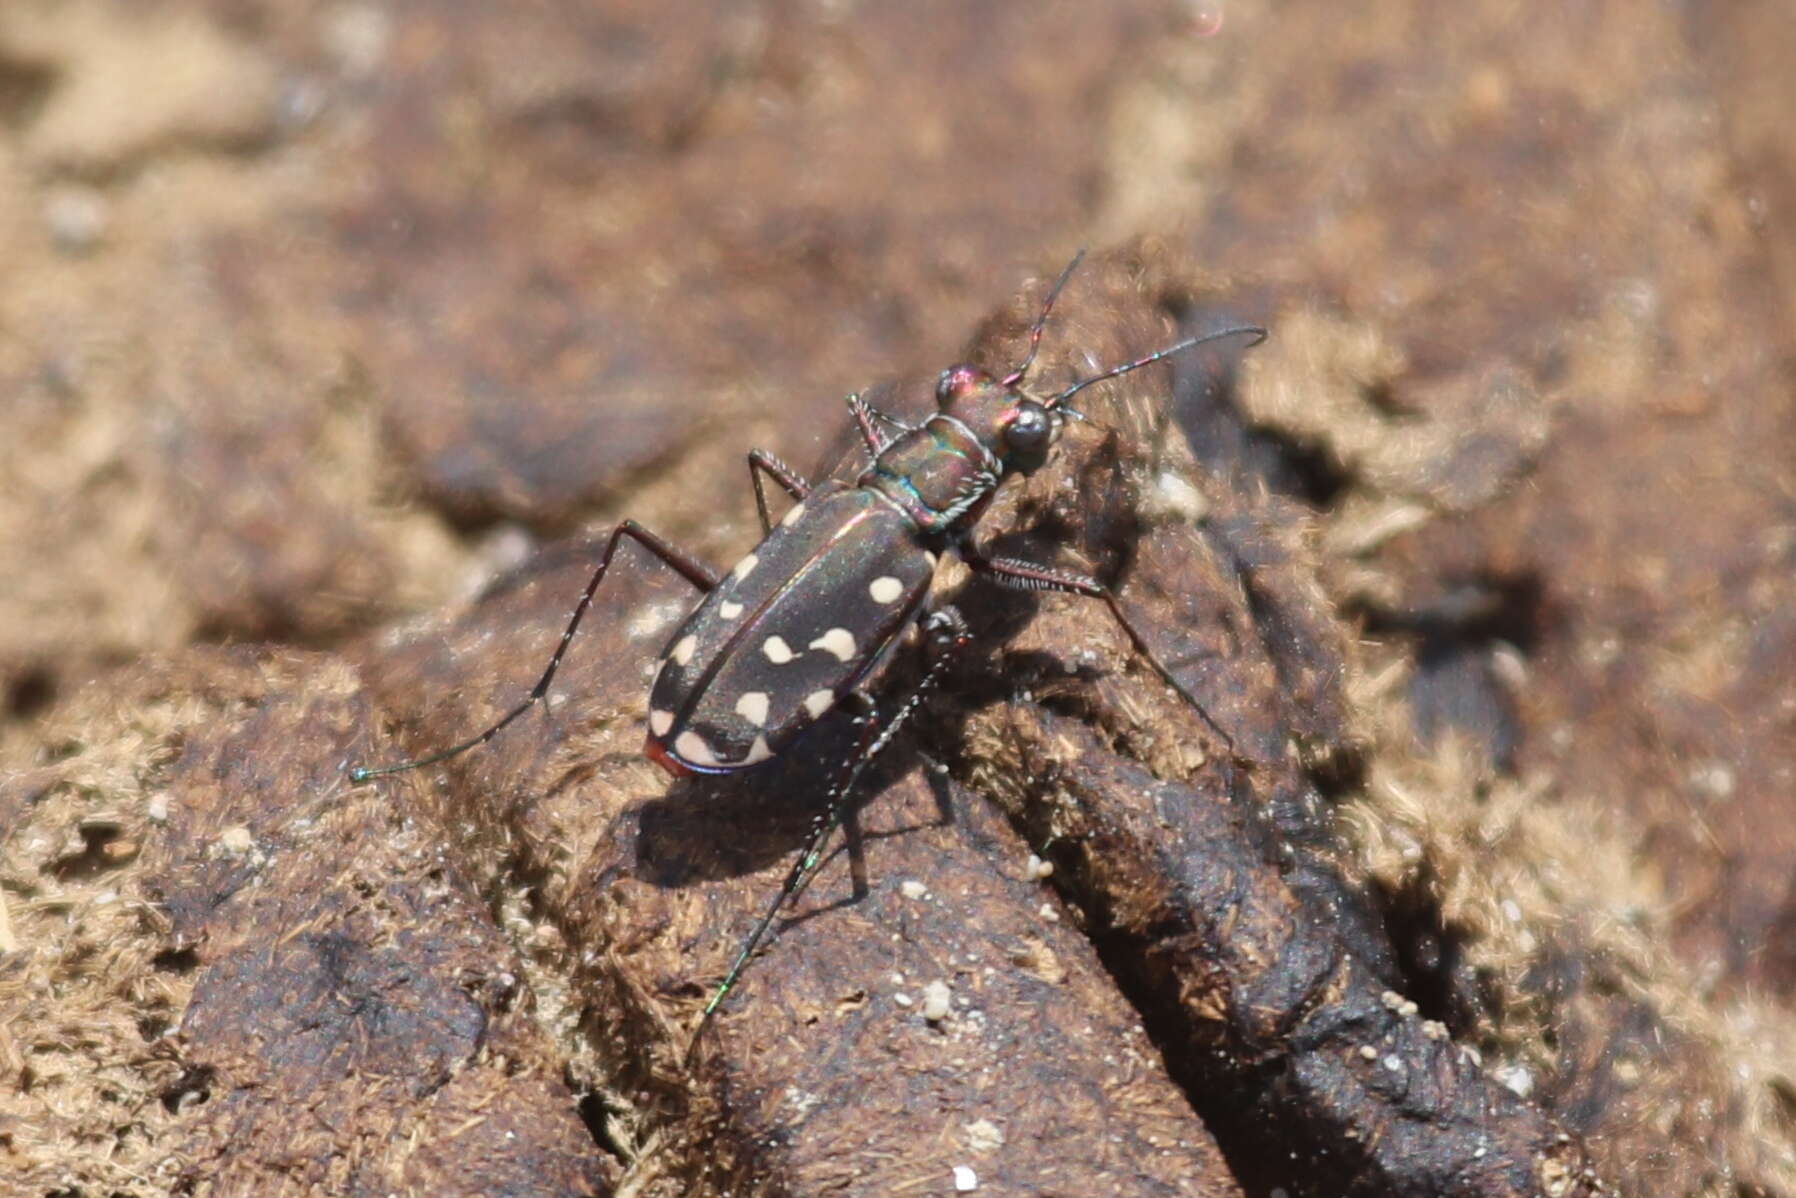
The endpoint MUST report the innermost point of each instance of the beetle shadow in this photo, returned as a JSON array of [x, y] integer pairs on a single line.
[[706, 829]]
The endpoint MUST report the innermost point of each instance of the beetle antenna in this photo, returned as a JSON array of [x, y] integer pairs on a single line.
[[1016, 375], [1258, 334]]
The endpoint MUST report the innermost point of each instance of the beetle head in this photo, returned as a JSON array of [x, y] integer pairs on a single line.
[[1018, 429]]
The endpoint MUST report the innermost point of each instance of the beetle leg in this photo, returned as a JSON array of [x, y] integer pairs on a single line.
[[688, 567], [1031, 576], [946, 637], [865, 415], [761, 462]]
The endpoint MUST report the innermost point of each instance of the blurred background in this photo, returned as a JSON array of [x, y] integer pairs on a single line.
[[315, 316]]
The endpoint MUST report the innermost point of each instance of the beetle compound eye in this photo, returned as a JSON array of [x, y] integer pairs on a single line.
[[1031, 429]]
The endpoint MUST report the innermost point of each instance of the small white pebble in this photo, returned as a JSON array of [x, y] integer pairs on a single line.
[[935, 1001], [1508, 664], [1367, 1052], [1714, 780], [1179, 498], [901, 998], [1511, 911], [913, 889], [983, 1135], [157, 809], [236, 839], [1038, 869], [77, 217], [1434, 1029], [1516, 1078], [1394, 1063], [965, 1180], [357, 37], [1048, 913]]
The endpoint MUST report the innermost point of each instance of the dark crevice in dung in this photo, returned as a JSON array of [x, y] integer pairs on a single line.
[[596, 1114], [24, 89], [1456, 636], [1430, 957], [31, 693]]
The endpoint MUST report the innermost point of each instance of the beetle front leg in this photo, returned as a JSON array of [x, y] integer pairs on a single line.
[[761, 462], [865, 415]]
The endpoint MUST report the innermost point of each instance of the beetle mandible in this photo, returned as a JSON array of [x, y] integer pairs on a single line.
[[796, 626]]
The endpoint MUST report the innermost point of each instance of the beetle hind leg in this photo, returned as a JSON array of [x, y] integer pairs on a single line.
[[687, 566], [945, 639]]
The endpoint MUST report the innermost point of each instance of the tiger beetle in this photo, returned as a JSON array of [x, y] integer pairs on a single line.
[[796, 627]]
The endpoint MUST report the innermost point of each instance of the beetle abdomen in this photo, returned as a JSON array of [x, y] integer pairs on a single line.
[[787, 632]]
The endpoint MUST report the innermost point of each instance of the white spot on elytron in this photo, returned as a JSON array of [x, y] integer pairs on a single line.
[[885, 589], [758, 752], [839, 641], [729, 610], [744, 566], [792, 517], [660, 722], [752, 706], [818, 702], [777, 650], [691, 746], [682, 652]]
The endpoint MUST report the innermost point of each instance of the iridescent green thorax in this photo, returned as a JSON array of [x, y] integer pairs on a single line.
[[940, 474], [934, 474]]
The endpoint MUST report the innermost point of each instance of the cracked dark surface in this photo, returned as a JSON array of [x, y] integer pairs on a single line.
[[334, 335]]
